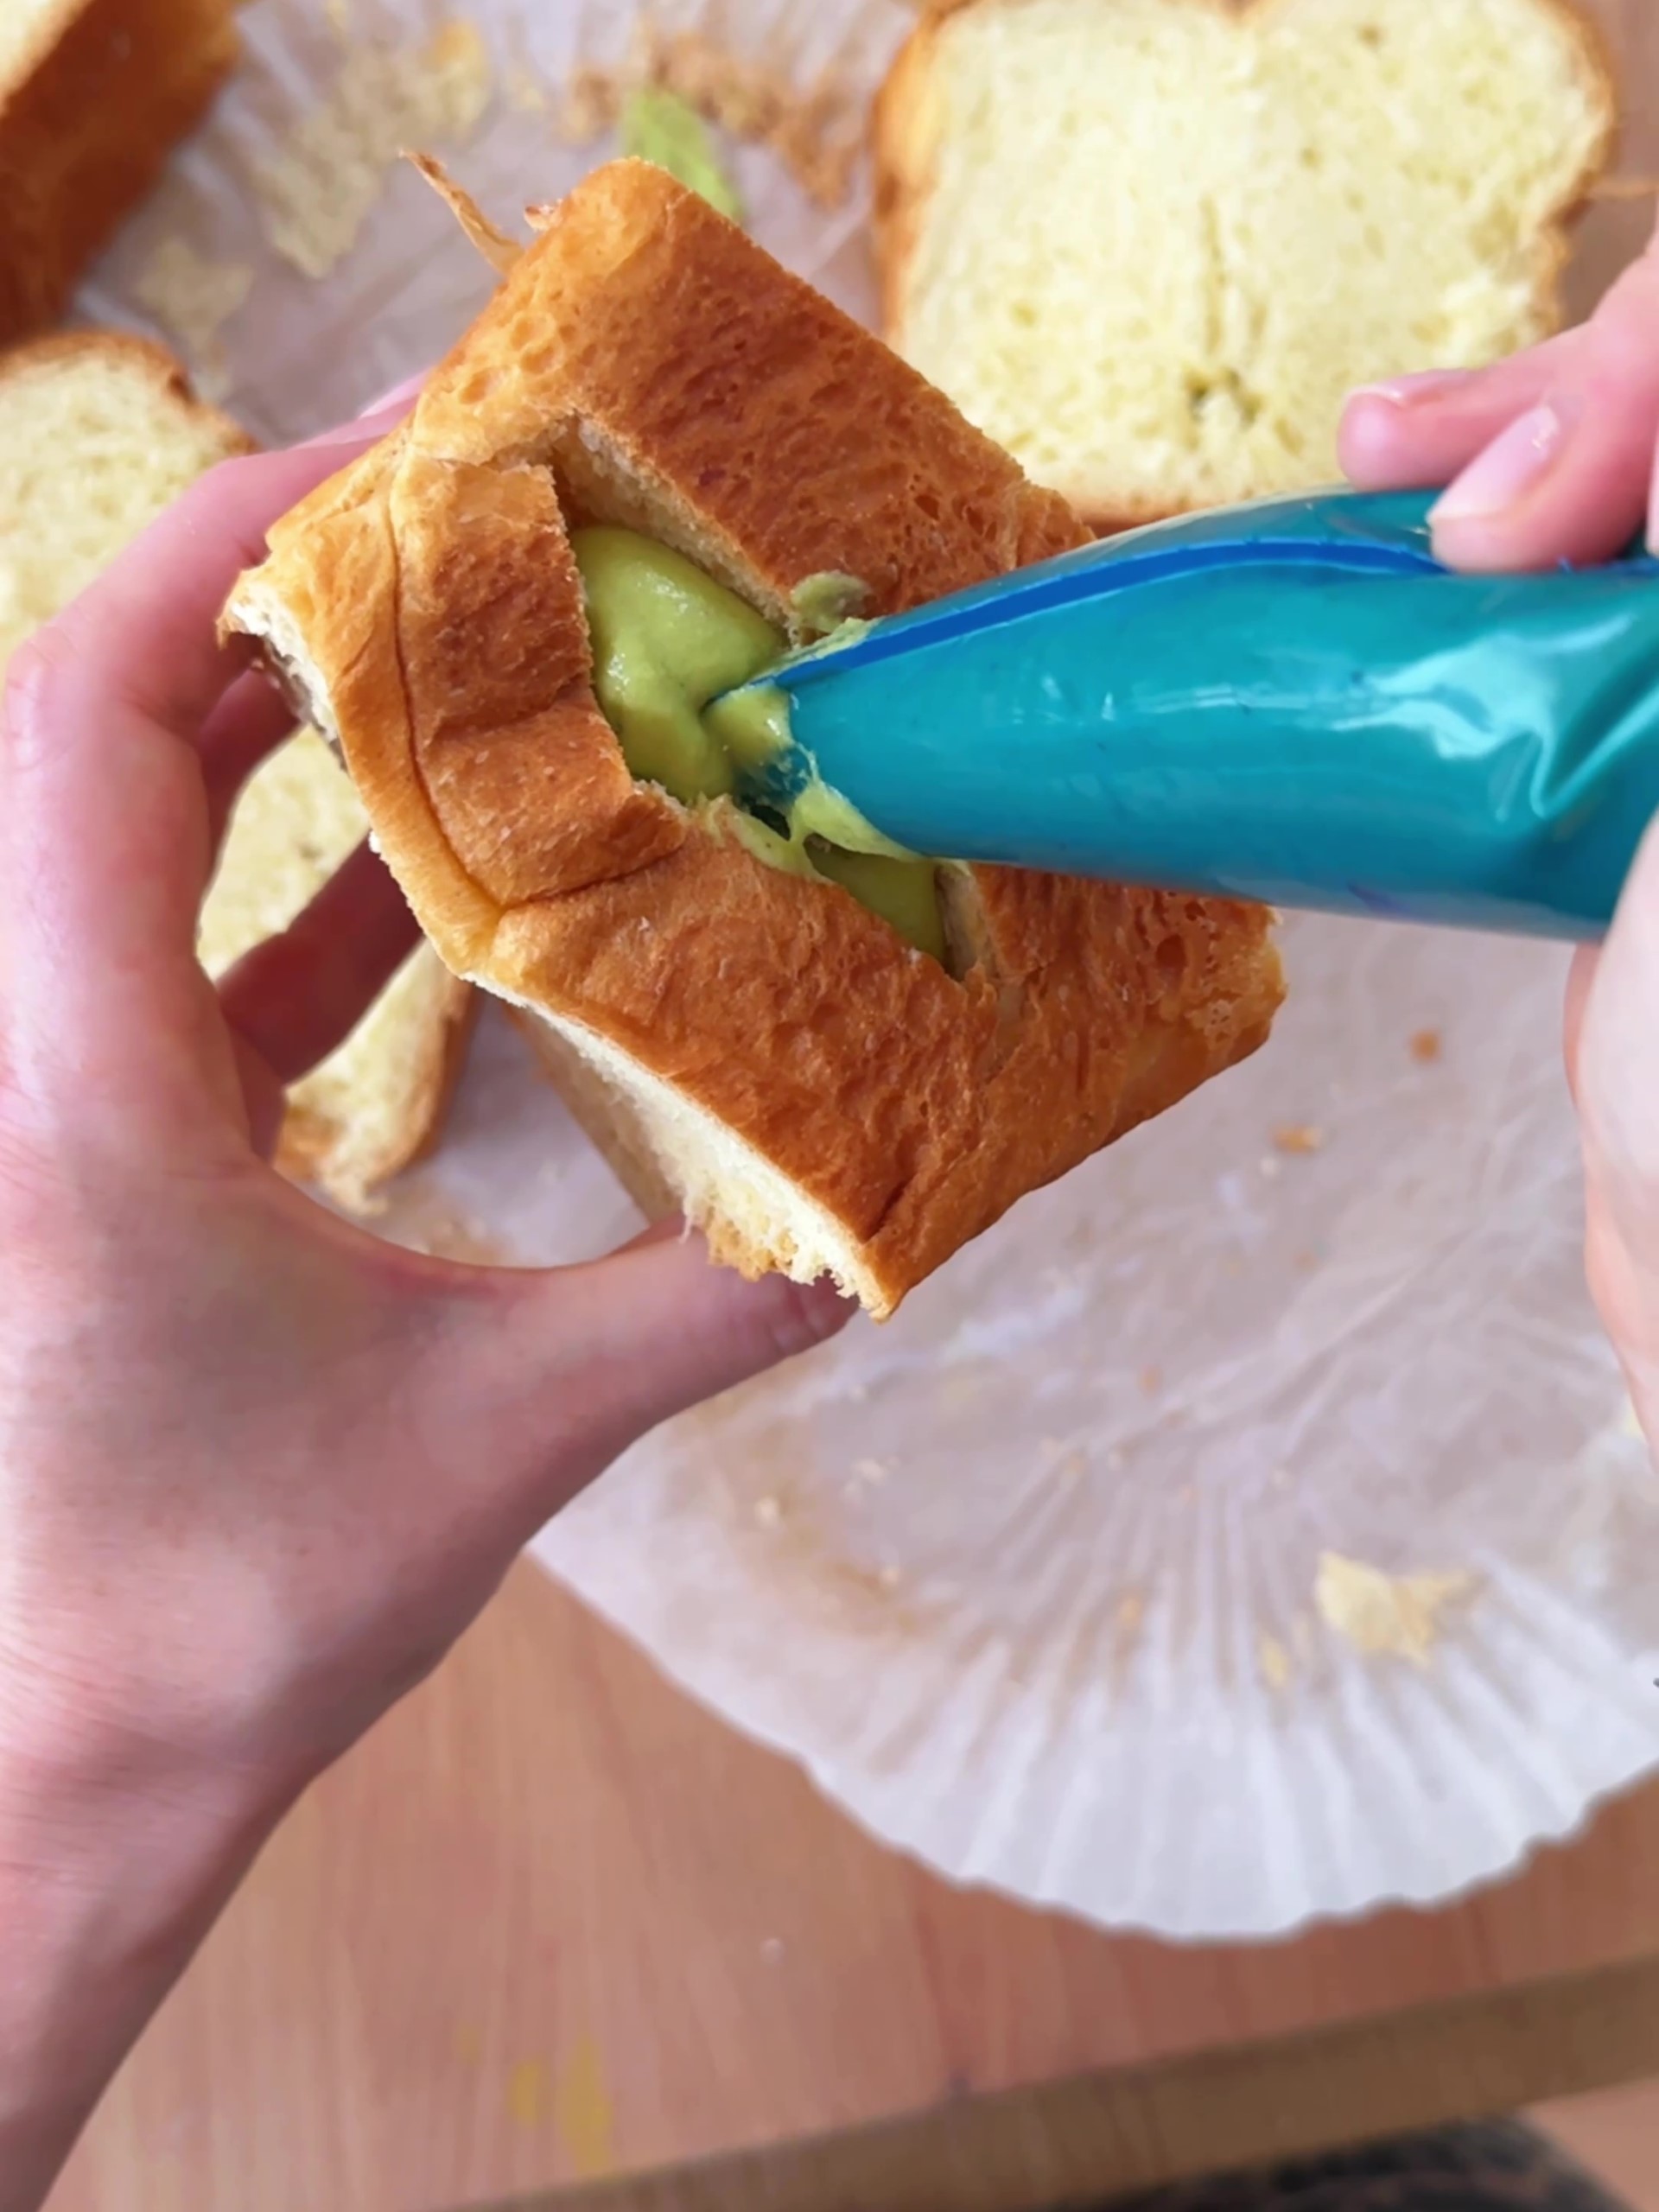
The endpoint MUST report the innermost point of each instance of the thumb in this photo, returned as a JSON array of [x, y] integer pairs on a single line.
[[580, 1362]]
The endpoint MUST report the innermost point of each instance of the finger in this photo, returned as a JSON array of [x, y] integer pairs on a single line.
[[568, 1369], [243, 729], [298, 996], [1617, 1063], [106, 835], [1581, 983], [1417, 432], [1569, 479]]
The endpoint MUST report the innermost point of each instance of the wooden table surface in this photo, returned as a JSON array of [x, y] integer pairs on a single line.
[[553, 1924]]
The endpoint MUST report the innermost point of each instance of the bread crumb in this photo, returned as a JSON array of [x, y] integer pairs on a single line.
[[1274, 1663], [767, 1512], [526, 93], [318, 190], [1299, 1138], [1427, 1048], [889, 1577], [1272, 1168], [1385, 1615], [870, 1470], [1152, 1381], [192, 297]]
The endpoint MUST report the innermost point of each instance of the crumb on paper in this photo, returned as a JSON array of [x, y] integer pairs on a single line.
[[1152, 1381], [889, 1577], [318, 190], [817, 133], [192, 297], [1299, 1139], [1274, 1663], [526, 93], [870, 1470], [768, 1514], [1427, 1046], [1272, 1168], [1385, 1615]]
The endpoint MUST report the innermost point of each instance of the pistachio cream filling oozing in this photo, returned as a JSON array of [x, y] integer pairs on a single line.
[[668, 642]]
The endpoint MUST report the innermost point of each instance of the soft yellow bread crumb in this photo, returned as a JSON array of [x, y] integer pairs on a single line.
[[99, 432], [1150, 244]]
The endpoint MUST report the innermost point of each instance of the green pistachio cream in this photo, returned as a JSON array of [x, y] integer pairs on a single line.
[[668, 641], [659, 126]]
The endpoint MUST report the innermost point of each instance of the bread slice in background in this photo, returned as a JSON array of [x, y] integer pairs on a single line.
[[1150, 244], [379, 1102], [94, 95], [98, 433], [750, 1048]]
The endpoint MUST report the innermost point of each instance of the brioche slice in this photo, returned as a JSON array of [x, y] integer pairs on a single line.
[[379, 1100], [1151, 245], [94, 95], [98, 434], [750, 1047]]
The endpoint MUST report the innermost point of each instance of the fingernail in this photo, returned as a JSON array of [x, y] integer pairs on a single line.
[[1512, 465], [1412, 391], [374, 420], [396, 397], [812, 1314]]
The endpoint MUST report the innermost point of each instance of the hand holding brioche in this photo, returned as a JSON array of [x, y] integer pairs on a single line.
[[752, 1046], [261, 1467]]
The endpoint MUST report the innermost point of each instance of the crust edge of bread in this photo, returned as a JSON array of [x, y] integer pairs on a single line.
[[80, 148]]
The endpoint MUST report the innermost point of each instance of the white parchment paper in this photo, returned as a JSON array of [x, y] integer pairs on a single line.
[[1251, 1527]]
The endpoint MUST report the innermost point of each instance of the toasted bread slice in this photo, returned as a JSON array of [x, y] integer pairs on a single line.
[[1151, 245], [94, 95], [752, 1048], [98, 434]]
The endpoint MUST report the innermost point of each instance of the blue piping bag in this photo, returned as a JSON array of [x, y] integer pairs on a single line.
[[1293, 701]]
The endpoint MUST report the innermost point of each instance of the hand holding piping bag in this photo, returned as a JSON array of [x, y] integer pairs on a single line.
[[1554, 455]]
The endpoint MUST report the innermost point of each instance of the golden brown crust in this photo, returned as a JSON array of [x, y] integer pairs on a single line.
[[163, 369], [647, 363], [105, 93], [905, 135]]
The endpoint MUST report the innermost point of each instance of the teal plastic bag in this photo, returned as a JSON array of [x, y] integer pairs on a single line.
[[1293, 701]]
